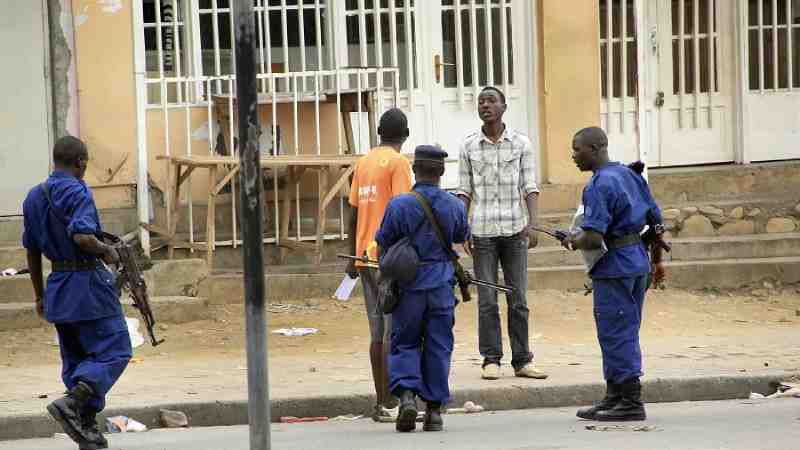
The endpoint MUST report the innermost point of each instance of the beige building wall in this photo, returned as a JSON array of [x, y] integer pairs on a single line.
[[104, 60], [570, 97]]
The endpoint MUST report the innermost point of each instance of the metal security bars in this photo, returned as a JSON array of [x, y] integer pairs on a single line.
[[618, 64], [773, 45], [194, 37], [470, 61], [312, 131]]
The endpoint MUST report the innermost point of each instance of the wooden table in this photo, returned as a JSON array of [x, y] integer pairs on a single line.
[[347, 98], [221, 169]]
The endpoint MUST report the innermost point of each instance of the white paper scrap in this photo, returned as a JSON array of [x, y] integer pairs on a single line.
[[345, 288]]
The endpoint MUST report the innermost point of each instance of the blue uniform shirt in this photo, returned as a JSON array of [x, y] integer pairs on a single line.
[[68, 296], [616, 203], [404, 217]]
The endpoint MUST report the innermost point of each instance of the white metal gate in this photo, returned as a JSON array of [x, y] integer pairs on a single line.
[[689, 64]]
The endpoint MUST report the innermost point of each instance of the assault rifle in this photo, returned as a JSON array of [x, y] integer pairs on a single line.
[[129, 276], [464, 277]]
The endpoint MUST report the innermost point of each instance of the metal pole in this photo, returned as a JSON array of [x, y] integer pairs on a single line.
[[250, 210]]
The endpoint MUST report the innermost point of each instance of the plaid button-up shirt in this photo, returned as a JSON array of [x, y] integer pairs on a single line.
[[497, 177]]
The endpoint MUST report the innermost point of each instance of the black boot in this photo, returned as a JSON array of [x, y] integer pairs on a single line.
[[630, 406], [96, 439], [609, 401], [407, 415], [433, 418], [67, 411]]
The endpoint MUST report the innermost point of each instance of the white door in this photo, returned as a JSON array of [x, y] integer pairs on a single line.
[[470, 45], [695, 82], [690, 71], [24, 130]]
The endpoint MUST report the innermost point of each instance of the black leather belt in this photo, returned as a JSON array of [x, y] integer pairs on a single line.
[[74, 266], [624, 241]]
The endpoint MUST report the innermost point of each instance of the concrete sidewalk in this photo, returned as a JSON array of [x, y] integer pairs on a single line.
[[696, 347]]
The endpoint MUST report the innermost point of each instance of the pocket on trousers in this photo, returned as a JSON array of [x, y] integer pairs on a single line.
[[110, 326]]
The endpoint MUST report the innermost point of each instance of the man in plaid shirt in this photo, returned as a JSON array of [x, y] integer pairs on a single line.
[[496, 174]]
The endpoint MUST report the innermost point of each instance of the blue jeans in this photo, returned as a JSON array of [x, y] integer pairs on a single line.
[[511, 252]]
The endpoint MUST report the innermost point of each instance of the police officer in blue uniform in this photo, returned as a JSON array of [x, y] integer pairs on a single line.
[[617, 206], [422, 323], [81, 298]]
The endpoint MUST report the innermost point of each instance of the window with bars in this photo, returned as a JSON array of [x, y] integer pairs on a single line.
[[774, 44], [462, 24], [382, 34], [618, 59], [194, 38], [694, 49]]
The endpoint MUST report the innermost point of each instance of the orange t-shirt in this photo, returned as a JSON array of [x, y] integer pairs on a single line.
[[380, 175]]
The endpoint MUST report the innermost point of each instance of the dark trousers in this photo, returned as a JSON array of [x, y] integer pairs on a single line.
[[95, 352], [511, 253], [618, 305], [422, 344]]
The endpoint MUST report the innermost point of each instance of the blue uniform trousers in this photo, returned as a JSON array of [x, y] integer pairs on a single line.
[[422, 343], [95, 352], [618, 304]]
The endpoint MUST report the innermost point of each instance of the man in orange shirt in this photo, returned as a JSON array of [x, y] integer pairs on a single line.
[[380, 175]]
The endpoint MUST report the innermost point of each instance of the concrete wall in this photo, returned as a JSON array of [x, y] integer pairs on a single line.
[[62, 68], [104, 64], [570, 81]]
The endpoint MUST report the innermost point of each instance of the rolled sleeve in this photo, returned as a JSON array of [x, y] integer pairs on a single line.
[[465, 186], [83, 218], [596, 214], [527, 179], [28, 240]]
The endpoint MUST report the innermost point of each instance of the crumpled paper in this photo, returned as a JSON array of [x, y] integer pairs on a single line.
[[295, 331]]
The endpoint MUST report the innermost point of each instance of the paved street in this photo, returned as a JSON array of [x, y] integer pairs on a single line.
[[729, 425]]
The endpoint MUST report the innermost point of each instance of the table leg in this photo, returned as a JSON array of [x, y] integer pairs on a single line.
[[210, 220], [321, 216], [286, 209], [348, 132], [173, 208]]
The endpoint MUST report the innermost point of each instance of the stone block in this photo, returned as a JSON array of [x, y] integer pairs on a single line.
[[736, 213], [755, 212], [709, 210], [780, 225], [697, 225], [177, 277], [671, 214], [689, 211], [737, 227], [719, 220]]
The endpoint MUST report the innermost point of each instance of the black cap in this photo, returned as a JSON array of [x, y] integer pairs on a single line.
[[429, 153]]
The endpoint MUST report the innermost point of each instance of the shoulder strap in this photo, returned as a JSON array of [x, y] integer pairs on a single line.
[[57, 213], [434, 223]]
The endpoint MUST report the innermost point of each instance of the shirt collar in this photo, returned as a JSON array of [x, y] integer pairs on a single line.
[[424, 184], [506, 136], [61, 174]]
